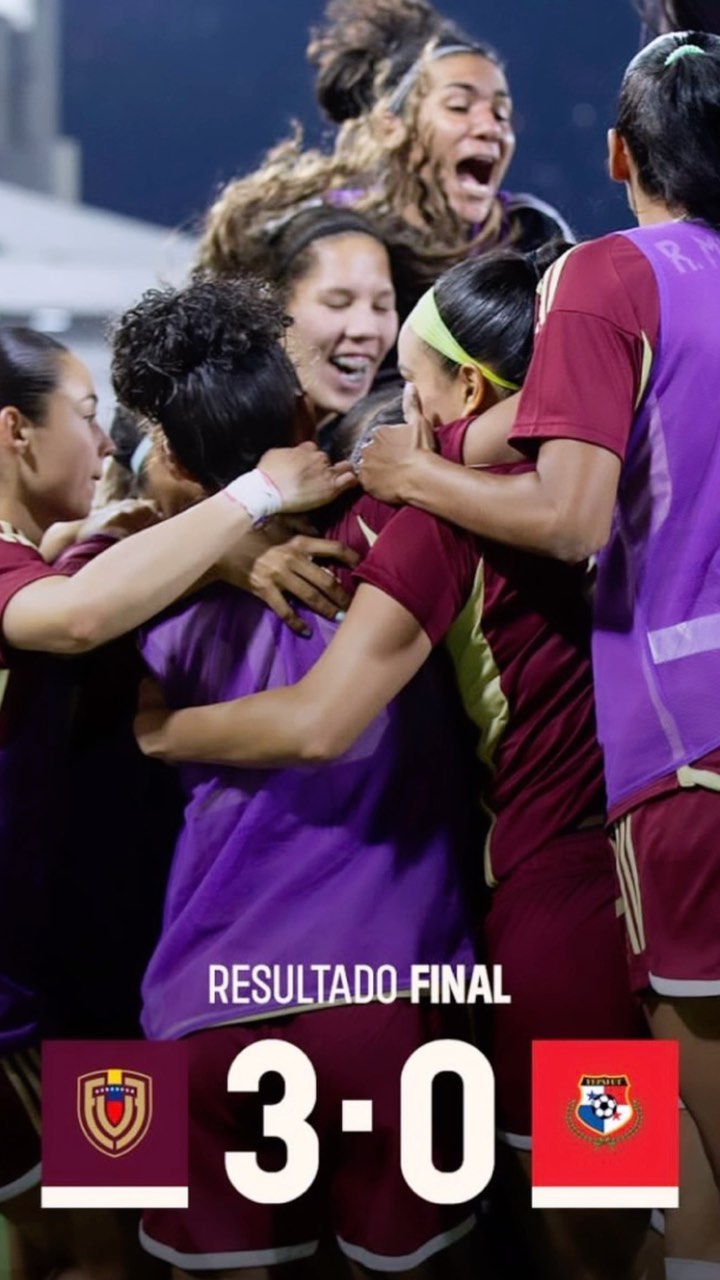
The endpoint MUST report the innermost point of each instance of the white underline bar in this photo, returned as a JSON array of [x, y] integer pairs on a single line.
[[114, 1197], [605, 1197]]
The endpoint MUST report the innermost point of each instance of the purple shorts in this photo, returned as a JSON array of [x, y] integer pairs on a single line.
[[554, 927], [359, 1194]]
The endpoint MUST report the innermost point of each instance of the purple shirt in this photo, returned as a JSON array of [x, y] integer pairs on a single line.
[[351, 862], [627, 359], [656, 645]]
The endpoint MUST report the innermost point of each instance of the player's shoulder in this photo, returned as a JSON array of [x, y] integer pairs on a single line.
[[17, 551], [13, 542], [591, 275]]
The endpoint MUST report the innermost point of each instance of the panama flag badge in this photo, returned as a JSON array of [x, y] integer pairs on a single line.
[[604, 1107], [605, 1130]]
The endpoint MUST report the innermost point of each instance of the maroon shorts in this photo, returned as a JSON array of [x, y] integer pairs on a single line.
[[553, 926], [359, 1194], [19, 1122], [668, 857]]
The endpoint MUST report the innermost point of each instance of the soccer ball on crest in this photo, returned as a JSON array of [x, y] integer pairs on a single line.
[[604, 1106]]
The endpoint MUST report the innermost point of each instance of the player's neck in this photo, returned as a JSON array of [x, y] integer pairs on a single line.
[[17, 514], [650, 211]]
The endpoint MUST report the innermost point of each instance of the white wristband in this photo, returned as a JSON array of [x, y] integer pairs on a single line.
[[257, 493]]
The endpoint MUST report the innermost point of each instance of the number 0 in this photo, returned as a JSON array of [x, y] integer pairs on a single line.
[[286, 1119], [416, 1159]]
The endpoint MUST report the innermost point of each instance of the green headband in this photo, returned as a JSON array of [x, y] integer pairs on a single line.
[[425, 321], [685, 51]]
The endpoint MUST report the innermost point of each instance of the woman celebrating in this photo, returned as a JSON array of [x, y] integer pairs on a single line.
[[621, 408], [333, 274], [425, 153], [519, 638], [357, 865], [51, 449], [433, 116]]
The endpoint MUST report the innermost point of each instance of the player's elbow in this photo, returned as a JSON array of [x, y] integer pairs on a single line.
[[322, 738], [320, 748], [575, 535], [84, 630]]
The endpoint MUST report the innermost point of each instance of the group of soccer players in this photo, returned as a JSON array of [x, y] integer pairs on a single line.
[[520, 604]]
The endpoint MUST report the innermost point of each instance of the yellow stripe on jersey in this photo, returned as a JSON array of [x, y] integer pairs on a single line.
[[478, 678], [9, 534], [548, 286], [367, 533], [647, 360]]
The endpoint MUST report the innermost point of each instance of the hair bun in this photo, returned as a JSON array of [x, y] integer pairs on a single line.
[[364, 48], [542, 258], [171, 333]]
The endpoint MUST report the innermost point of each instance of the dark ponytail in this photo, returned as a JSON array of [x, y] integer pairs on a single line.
[[669, 116], [28, 370], [488, 304]]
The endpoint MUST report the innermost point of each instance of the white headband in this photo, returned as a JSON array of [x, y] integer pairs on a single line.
[[140, 454], [397, 98]]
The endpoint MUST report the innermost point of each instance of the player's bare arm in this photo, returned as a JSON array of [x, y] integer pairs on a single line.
[[376, 651]]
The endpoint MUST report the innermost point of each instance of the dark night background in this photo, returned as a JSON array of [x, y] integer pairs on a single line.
[[169, 98]]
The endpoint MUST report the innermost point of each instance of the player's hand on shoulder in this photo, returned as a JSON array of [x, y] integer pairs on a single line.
[[305, 477], [275, 562]]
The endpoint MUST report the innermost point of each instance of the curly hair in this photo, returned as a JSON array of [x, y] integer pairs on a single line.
[[373, 58], [379, 176], [364, 48], [206, 363]]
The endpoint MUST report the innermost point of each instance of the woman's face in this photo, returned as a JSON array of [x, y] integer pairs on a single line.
[[67, 449], [344, 321], [442, 396], [464, 122]]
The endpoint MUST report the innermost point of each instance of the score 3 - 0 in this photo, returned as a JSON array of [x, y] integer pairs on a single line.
[[288, 1121]]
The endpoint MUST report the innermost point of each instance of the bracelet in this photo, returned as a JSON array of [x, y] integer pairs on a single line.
[[257, 493]]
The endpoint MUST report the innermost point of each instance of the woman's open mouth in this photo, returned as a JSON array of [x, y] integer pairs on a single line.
[[475, 174], [355, 370]]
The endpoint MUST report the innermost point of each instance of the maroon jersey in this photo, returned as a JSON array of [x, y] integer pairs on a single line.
[[598, 325], [518, 630], [35, 708], [85, 820]]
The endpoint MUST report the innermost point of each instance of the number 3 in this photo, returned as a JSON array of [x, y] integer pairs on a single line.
[[286, 1119]]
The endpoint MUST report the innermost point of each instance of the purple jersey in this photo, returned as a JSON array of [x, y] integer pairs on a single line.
[[656, 645], [352, 862]]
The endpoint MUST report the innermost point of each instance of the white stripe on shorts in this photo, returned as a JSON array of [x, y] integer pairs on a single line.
[[223, 1261], [629, 884], [684, 986], [21, 1185], [380, 1262], [518, 1141]]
